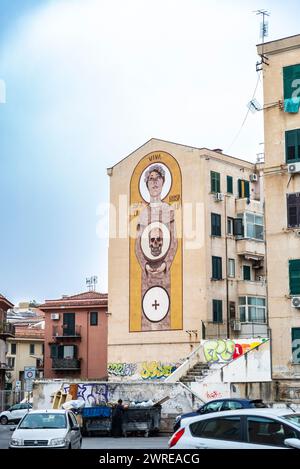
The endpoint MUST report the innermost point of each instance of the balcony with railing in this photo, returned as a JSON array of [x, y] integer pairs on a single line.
[[251, 248], [64, 332], [236, 330], [6, 330], [66, 364], [252, 288]]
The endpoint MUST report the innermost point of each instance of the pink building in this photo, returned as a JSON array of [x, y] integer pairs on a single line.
[[76, 336]]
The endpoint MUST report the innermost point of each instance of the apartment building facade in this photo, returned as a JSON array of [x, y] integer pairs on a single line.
[[76, 336], [6, 331], [186, 254], [281, 79]]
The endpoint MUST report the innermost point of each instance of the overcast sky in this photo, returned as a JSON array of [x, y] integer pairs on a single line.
[[87, 82]]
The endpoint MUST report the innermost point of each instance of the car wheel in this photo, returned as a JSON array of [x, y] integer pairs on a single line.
[[4, 420]]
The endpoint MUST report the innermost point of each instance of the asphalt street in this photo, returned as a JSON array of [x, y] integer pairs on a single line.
[[103, 442]]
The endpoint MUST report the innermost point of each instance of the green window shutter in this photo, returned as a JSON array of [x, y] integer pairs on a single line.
[[293, 210], [240, 188], [215, 182], [215, 224], [247, 189], [294, 276], [296, 344], [291, 138], [290, 74], [216, 268], [217, 311], [246, 272], [229, 184], [243, 189], [53, 351]]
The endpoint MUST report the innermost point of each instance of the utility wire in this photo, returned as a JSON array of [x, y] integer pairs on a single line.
[[247, 113]]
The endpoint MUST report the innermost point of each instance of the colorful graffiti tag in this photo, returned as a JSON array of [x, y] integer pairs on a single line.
[[90, 393], [156, 370], [225, 350], [121, 369]]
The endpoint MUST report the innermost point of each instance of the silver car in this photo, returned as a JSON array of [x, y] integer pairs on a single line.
[[53, 428]]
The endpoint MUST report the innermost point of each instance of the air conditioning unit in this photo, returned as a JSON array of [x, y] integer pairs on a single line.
[[294, 168], [219, 197], [55, 316], [295, 302], [236, 325], [253, 177]]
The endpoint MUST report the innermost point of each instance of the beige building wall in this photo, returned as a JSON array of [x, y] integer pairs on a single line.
[[282, 243], [198, 289], [22, 357]]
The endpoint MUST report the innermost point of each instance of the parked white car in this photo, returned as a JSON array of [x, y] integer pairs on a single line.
[[239, 429], [53, 428], [15, 413]]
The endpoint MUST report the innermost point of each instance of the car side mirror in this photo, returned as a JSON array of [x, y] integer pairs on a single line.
[[201, 410], [75, 427], [12, 428], [292, 443]]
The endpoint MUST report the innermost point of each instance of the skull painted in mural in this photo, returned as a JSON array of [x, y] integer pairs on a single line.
[[156, 241]]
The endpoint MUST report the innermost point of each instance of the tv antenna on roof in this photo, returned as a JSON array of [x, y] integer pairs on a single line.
[[91, 282], [264, 31]]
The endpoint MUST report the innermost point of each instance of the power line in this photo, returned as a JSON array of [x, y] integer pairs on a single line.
[[247, 113]]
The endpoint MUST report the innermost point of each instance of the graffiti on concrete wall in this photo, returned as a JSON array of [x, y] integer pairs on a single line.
[[90, 393], [121, 369], [225, 350], [156, 370]]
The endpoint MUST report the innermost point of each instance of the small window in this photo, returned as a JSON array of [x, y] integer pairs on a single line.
[[230, 226], [243, 189], [215, 185], [31, 349], [293, 210], [215, 224], [231, 268], [294, 276], [94, 318], [13, 349], [217, 311], [216, 268], [222, 428], [292, 146], [229, 185], [246, 272]]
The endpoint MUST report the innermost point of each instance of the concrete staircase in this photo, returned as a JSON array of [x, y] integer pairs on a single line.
[[197, 373]]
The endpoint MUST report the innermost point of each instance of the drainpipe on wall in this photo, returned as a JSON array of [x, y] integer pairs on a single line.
[[226, 269]]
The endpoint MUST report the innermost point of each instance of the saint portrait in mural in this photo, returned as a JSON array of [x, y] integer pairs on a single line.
[[155, 285], [155, 247]]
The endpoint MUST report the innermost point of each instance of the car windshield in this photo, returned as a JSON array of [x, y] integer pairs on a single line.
[[293, 418], [44, 420]]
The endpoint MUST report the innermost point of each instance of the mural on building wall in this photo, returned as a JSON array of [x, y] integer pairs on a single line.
[[225, 350], [121, 369], [156, 370], [90, 393], [145, 370], [155, 244]]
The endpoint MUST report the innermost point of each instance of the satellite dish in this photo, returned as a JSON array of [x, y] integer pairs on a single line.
[[254, 105]]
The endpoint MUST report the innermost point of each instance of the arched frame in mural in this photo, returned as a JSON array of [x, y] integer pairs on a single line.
[[155, 248]]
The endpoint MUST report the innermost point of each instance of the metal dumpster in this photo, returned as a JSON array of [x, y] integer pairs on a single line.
[[96, 419], [142, 419]]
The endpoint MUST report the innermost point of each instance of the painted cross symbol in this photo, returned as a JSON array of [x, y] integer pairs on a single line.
[[155, 304]]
